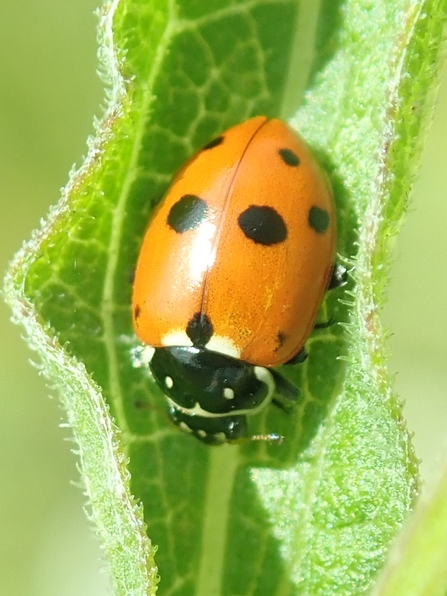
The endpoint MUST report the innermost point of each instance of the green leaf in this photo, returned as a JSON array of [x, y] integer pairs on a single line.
[[416, 565], [316, 514]]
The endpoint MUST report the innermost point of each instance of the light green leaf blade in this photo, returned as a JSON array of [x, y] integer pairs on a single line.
[[316, 514], [416, 565]]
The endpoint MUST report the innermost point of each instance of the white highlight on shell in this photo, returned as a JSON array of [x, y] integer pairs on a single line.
[[169, 382], [202, 253]]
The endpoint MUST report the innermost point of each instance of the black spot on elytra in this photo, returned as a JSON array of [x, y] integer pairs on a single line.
[[199, 330], [136, 312], [289, 157], [214, 143], [282, 336], [187, 213], [264, 225], [318, 219]]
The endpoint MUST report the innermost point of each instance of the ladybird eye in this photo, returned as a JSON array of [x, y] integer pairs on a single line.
[[169, 382], [289, 157], [228, 393]]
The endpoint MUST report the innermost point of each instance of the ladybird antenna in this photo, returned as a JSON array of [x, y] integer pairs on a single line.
[[270, 438]]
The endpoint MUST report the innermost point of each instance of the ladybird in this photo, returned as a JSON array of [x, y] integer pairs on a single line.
[[231, 274]]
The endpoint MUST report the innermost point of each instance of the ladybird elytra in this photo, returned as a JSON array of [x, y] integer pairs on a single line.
[[235, 262]]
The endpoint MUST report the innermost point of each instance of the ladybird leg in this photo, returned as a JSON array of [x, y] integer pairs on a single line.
[[324, 325], [284, 389], [281, 405], [338, 277], [298, 358]]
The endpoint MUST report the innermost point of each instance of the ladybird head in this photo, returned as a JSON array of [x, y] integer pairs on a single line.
[[201, 382]]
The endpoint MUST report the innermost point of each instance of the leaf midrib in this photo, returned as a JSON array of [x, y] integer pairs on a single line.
[[223, 464]]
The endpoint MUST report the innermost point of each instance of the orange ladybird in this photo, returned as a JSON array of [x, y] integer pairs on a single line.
[[231, 274]]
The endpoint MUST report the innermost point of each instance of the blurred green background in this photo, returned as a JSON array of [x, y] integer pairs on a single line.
[[49, 95]]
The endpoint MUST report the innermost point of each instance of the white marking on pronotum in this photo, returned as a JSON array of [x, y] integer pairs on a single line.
[[176, 337], [228, 393], [142, 355], [223, 345], [266, 377], [185, 427], [217, 343]]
